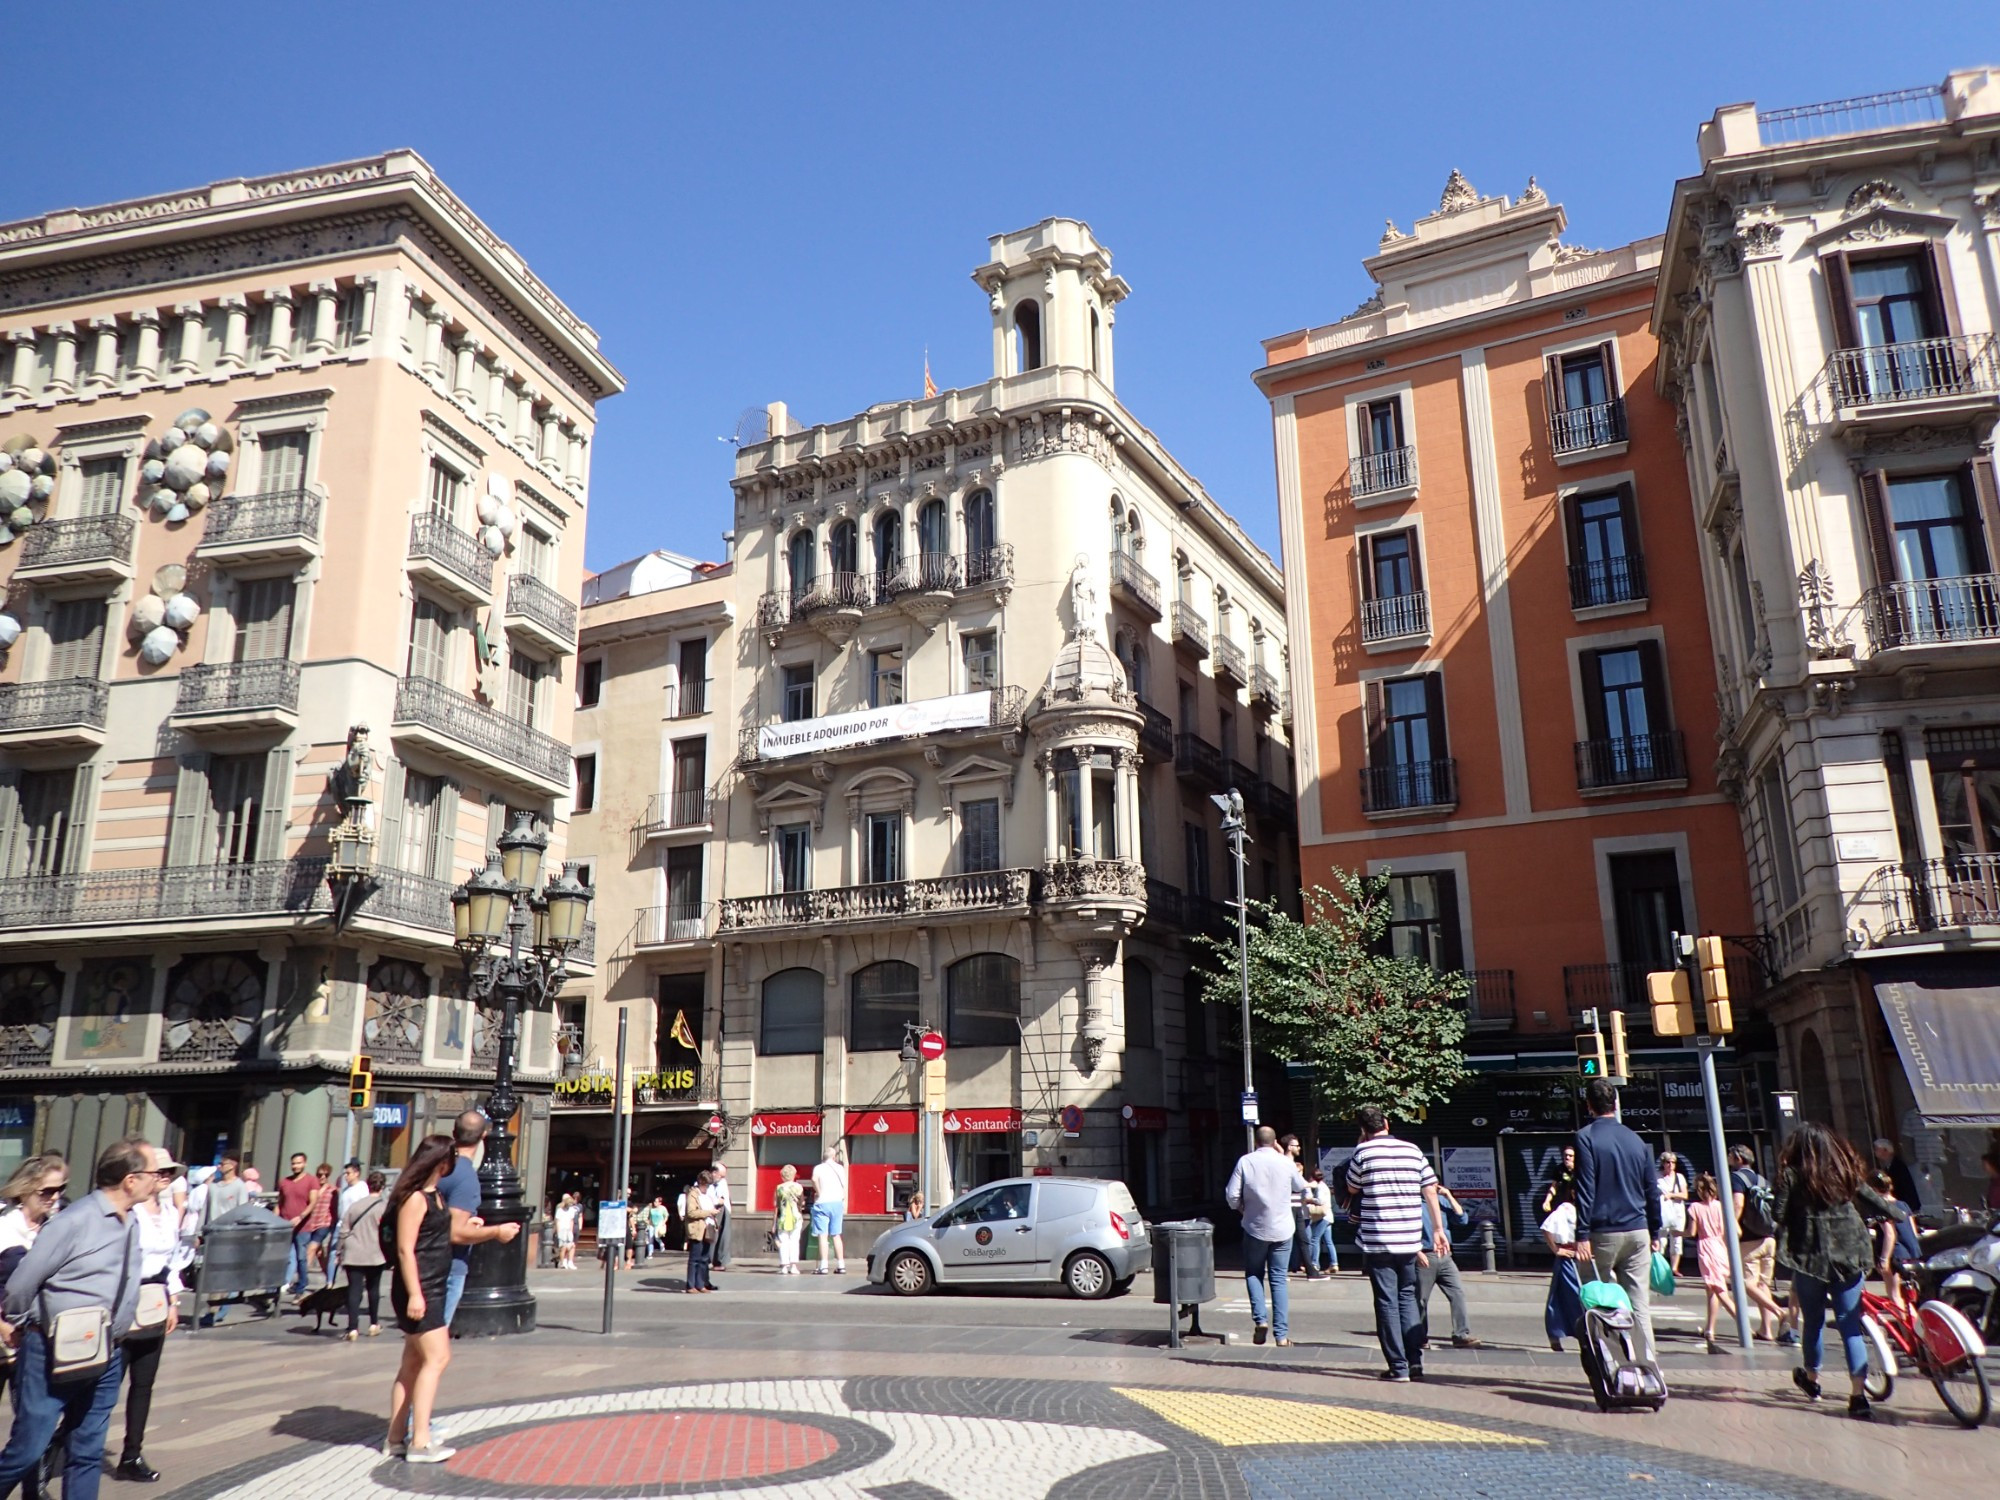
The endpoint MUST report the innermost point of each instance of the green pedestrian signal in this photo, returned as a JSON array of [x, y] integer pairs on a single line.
[[1590, 1054]]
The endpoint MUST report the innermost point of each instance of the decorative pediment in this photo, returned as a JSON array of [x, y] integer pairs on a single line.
[[881, 789], [975, 773], [1877, 212], [787, 802]]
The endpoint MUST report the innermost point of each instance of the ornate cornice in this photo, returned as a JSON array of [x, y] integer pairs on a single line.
[[453, 436]]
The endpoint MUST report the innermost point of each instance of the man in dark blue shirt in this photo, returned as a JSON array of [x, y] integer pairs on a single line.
[[459, 1188], [1617, 1207]]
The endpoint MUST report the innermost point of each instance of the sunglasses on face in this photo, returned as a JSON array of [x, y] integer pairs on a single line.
[[50, 1194]]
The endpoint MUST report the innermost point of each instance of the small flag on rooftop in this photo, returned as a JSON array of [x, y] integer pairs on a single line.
[[930, 385]]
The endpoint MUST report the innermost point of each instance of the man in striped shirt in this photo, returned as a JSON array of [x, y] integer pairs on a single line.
[[1395, 1184]]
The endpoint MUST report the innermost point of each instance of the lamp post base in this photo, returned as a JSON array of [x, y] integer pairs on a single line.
[[497, 1300]]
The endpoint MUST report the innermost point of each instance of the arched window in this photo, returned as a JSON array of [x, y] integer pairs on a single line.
[[794, 1014], [799, 563], [980, 537], [934, 545], [884, 996], [1131, 653], [982, 1001], [1183, 575], [1135, 535], [1028, 337], [888, 539], [1138, 1005], [843, 548]]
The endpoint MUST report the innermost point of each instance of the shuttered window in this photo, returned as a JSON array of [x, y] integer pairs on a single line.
[[264, 619], [524, 687], [76, 639], [430, 634], [979, 836], [236, 806], [283, 466], [443, 495], [100, 486], [535, 555], [43, 836]]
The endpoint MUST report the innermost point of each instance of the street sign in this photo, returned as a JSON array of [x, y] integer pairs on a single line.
[[930, 1046], [714, 1125], [1072, 1121], [1250, 1115], [610, 1221]]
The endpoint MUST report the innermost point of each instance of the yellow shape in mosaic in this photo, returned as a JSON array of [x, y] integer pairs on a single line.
[[1255, 1421]]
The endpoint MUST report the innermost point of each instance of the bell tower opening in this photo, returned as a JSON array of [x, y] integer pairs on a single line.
[[1052, 297], [1027, 337]]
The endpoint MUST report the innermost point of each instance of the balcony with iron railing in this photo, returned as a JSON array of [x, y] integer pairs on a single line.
[[1230, 666], [238, 695], [1919, 383], [1933, 611], [1856, 116], [1930, 896], [540, 612], [1409, 786], [1607, 581], [1156, 733], [78, 549], [676, 922], [451, 559], [173, 893], [688, 698], [1245, 779], [987, 567], [64, 711], [1134, 585], [1195, 759], [469, 733], [1490, 1005], [274, 524], [1163, 904], [1396, 617], [1578, 432], [1390, 472], [1604, 987], [1630, 760], [672, 812], [920, 573], [1277, 805], [1265, 694], [885, 903], [1190, 631]]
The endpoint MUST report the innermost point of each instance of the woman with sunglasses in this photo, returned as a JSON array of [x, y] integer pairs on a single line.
[[31, 1196]]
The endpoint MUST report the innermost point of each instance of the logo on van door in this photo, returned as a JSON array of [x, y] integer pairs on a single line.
[[983, 1235]]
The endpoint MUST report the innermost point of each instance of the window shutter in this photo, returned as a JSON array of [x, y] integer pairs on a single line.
[[1840, 299], [496, 821], [1376, 726], [444, 835], [1653, 669], [1944, 302], [191, 809], [1364, 424], [389, 826], [1628, 508], [1608, 353], [10, 823], [277, 805], [1988, 491], [82, 803], [1592, 673], [1451, 939], [1434, 711], [1367, 559], [1552, 385], [1572, 518], [1416, 561], [1875, 514]]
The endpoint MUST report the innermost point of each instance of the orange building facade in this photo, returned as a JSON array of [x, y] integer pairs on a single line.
[[1502, 671]]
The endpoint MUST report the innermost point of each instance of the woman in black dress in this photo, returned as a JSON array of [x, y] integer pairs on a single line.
[[416, 1236]]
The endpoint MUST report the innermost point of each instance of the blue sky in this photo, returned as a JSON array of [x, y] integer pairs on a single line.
[[754, 202]]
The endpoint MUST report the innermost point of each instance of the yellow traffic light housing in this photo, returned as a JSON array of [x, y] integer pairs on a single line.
[[1621, 1062], [1590, 1054], [1714, 985], [361, 1082], [1672, 1002]]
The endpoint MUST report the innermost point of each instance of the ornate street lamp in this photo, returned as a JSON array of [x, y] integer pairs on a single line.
[[540, 928], [350, 865]]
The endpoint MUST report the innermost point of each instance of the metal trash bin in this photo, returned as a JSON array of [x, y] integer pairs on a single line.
[[244, 1251], [1184, 1273]]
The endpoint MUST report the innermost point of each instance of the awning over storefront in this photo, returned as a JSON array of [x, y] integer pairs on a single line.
[[1949, 1040]]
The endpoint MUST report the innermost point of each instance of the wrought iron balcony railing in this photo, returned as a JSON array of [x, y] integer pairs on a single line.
[[1190, 631], [1578, 429], [1920, 370], [885, 901], [531, 599], [1933, 611], [1197, 759], [59, 702], [78, 542], [1491, 1003], [1156, 733], [413, 900], [1264, 690], [688, 698], [1931, 895], [989, 565], [676, 922], [1134, 584], [1604, 987], [270, 517], [459, 553], [170, 893], [472, 724], [1631, 760], [1378, 473], [1396, 617], [238, 687], [1608, 580], [683, 809], [1866, 112], [1230, 666], [1406, 786], [1163, 903]]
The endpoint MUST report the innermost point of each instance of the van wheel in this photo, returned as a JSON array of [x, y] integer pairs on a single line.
[[1088, 1275], [909, 1274]]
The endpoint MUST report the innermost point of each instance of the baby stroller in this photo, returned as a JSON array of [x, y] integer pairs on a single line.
[[1607, 1336]]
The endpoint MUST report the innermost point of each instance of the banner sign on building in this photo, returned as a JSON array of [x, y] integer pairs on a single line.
[[882, 1122], [866, 725]]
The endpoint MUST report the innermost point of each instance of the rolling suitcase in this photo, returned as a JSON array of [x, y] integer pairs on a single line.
[[1606, 1339]]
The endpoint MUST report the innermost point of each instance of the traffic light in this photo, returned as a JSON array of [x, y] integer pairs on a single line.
[[1590, 1054], [1672, 1001], [1714, 985], [361, 1082], [1621, 1068]]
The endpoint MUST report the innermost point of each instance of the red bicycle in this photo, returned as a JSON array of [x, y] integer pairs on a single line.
[[1940, 1344]]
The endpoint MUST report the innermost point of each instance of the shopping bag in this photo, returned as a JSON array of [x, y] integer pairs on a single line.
[[1663, 1276]]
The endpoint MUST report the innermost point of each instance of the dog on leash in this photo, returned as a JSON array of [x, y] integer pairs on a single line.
[[327, 1302]]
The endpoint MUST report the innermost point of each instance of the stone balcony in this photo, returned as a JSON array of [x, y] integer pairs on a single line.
[[891, 903]]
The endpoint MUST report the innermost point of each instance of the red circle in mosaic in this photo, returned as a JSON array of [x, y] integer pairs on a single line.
[[665, 1448]]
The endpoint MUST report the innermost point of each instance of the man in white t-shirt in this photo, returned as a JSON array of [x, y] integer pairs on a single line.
[[718, 1201], [829, 1210]]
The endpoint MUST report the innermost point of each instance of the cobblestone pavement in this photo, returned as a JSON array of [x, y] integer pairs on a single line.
[[775, 1391]]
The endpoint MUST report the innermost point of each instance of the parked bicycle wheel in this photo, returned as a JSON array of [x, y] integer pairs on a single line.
[[1963, 1389], [1880, 1381]]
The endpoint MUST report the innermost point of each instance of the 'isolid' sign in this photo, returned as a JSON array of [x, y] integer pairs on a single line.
[[802, 1123]]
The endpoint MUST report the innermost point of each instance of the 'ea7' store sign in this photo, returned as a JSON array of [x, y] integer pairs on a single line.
[[865, 725]]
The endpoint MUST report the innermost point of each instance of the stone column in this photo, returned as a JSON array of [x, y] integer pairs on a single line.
[[1051, 817], [573, 460], [21, 368], [365, 287], [553, 446], [146, 357], [187, 361], [524, 419], [319, 336], [464, 359], [104, 352], [1128, 803], [235, 333], [1003, 346], [279, 340], [62, 374], [1094, 1021], [433, 343], [496, 397], [1086, 803]]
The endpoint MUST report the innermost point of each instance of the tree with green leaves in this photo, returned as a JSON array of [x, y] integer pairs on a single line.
[[1382, 1030]]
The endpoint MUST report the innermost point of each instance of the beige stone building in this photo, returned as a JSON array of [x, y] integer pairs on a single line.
[[296, 484], [1827, 314], [995, 650]]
